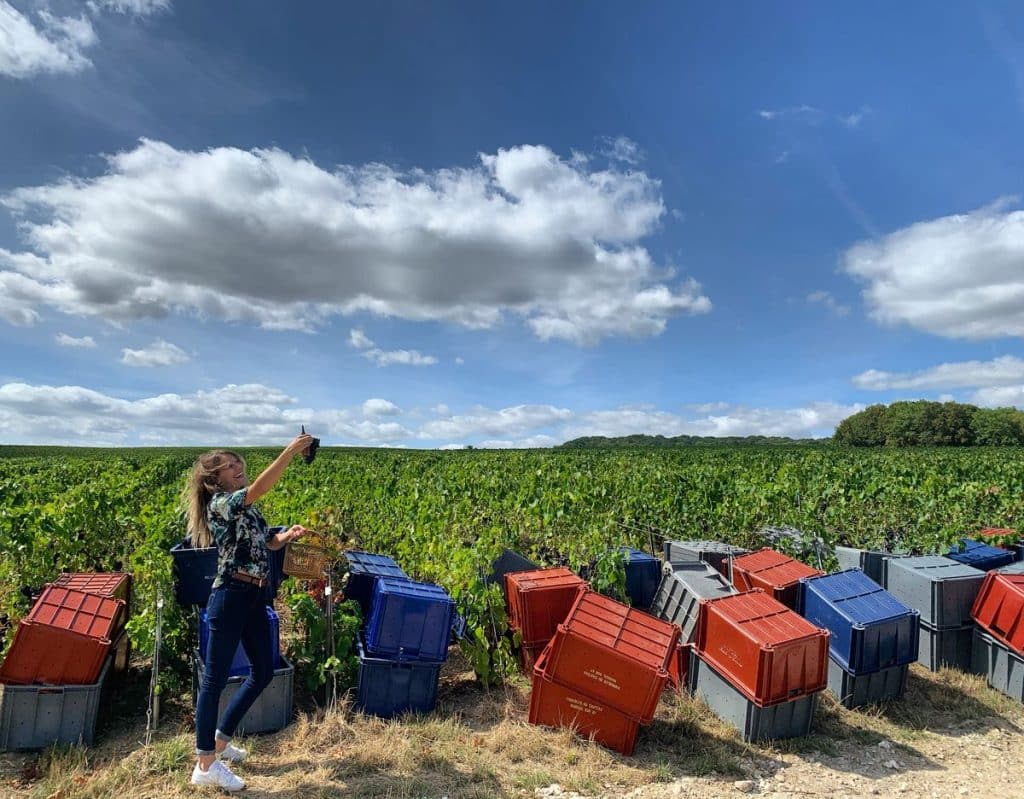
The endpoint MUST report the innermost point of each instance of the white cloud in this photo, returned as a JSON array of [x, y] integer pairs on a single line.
[[70, 341], [56, 44], [998, 397], [806, 112], [380, 407], [440, 410], [240, 415], [514, 421], [1004, 371], [459, 361], [830, 302], [223, 233], [957, 276], [623, 149], [137, 8], [816, 419], [159, 353], [530, 442], [357, 339], [399, 357]]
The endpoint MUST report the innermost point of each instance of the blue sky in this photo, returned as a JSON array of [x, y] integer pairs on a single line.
[[433, 225]]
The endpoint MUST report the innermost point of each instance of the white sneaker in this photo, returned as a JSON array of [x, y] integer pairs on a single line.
[[233, 754], [219, 776]]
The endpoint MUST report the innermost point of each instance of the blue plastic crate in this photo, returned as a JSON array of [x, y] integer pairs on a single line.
[[240, 664], [643, 573], [194, 571], [363, 570], [409, 620], [869, 628], [388, 688], [981, 556]]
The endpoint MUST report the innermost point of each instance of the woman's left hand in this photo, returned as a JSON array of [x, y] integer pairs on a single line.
[[294, 532]]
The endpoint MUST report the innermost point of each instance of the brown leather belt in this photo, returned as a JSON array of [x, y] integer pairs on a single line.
[[259, 582]]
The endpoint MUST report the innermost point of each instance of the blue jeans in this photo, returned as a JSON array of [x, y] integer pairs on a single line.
[[236, 612]]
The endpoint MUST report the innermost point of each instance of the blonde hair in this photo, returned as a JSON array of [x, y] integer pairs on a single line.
[[200, 487]]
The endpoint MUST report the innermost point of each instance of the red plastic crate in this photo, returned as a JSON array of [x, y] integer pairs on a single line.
[[767, 651], [79, 612], [773, 572], [679, 667], [614, 653], [42, 653], [999, 608], [555, 705], [113, 585], [539, 600]]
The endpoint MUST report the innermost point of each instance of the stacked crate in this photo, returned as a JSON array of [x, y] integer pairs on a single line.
[[715, 553], [53, 675], [363, 570], [677, 601], [538, 601], [402, 647], [758, 665], [998, 647], [981, 556], [942, 591], [777, 574], [642, 575], [873, 637], [603, 671], [873, 562]]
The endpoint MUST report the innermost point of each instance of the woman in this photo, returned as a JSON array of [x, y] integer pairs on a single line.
[[220, 511]]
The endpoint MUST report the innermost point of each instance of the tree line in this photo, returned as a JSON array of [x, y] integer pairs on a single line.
[[931, 424]]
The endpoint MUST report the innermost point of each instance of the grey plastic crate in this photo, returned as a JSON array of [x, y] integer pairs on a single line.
[[271, 712], [714, 552], [36, 716], [857, 690], [682, 587], [1013, 568], [945, 647], [941, 589], [873, 562], [786, 720], [1002, 667]]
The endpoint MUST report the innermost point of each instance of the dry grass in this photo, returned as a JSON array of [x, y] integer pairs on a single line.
[[478, 744]]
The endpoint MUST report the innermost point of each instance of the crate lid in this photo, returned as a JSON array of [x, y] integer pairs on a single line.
[[397, 586], [708, 546], [935, 567], [774, 568], [555, 577], [370, 563], [856, 596], [104, 583], [762, 618], [971, 552], [77, 611], [637, 556], [699, 578], [621, 628]]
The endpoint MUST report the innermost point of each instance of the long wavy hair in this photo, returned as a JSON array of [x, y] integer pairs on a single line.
[[199, 490]]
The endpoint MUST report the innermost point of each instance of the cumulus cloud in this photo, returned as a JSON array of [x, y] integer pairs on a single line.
[[380, 407], [816, 419], [279, 241], [829, 302], [159, 353], [50, 44], [624, 149], [359, 340], [998, 397], [957, 276], [514, 421], [1004, 371], [70, 341], [45, 43], [240, 415]]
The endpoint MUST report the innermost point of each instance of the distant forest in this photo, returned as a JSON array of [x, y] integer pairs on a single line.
[[931, 424]]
